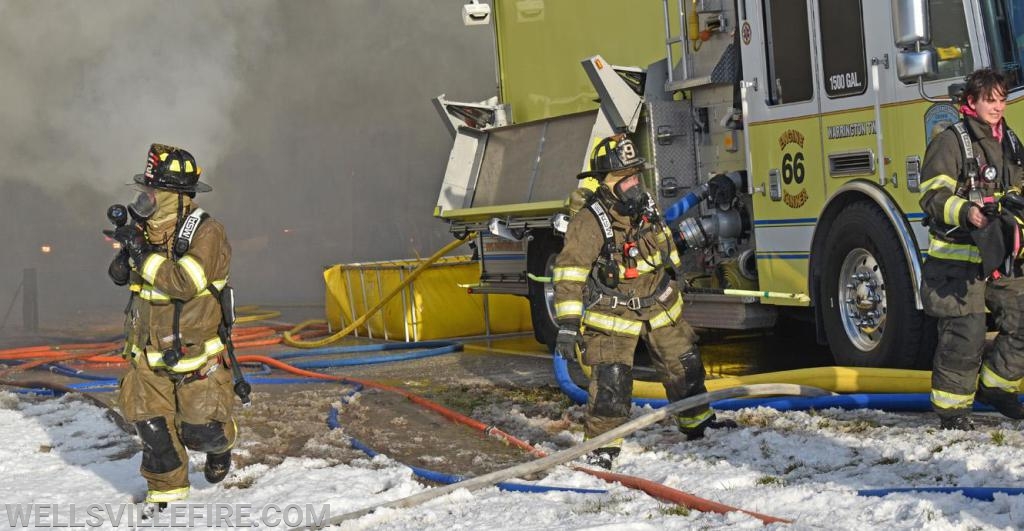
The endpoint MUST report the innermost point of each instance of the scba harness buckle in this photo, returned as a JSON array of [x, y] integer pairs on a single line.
[[633, 303]]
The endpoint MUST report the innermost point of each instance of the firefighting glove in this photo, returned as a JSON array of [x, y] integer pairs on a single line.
[[567, 342], [119, 269], [132, 239]]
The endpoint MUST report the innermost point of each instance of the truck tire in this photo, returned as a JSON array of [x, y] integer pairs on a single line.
[[866, 297], [540, 259]]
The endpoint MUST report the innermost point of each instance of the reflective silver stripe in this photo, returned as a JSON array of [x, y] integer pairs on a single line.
[[150, 267], [944, 400], [668, 316], [611, 323], [694, 421], [939, 181], [951, 210], [990, 379], [963, 252], [572, 274], [569, 309], [195, 272]]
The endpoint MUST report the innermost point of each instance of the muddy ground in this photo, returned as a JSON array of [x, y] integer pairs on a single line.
[[507, 383]]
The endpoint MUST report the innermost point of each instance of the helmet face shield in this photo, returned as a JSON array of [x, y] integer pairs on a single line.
[[144, 205]]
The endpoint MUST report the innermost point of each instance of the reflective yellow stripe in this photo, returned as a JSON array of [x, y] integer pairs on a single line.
[[951, 210], [989, 378], [572, 274], [151, 265], [668, 316], [149, 293], [614, 443], [694, 421], [164, 496], [939, 181], [134, 286], [569, 309], [674, 258], [642, 267], [611, 323], [963, 252], [944, 400], [195, 272], [132, 351], [211, 347]]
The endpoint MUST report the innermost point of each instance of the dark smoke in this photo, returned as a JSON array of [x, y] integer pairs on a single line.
[[312, 120]]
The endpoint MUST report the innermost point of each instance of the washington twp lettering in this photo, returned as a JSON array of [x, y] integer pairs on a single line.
[[849, 130]]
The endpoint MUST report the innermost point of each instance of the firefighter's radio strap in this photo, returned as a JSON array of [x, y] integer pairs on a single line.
[[969, 174], [188, 230]]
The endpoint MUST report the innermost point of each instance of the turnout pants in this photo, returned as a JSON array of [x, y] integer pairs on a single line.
[[960, 360], [675, 358], [171, 414]]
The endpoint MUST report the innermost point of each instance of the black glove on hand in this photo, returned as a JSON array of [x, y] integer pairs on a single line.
[[133, 240], [567, 341], [119, 269]]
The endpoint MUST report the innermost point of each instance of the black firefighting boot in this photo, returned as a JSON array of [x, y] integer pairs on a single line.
[[603, 457], [697, 432], [217, 466], [956, 420], [1004, 402], [150, 509]]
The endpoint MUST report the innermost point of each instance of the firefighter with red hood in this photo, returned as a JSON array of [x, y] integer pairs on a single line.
[[177, 390], [972, 178], [613, 288]]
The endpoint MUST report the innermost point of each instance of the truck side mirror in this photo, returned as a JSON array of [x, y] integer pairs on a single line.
[[911, 23], [911, 65]]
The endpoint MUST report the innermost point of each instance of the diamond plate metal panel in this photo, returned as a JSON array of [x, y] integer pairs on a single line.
[[670, 128]]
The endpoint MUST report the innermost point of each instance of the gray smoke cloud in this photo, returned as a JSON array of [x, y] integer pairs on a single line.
[[312, 121]]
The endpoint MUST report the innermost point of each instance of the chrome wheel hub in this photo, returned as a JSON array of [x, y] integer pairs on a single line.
[[862, 307]]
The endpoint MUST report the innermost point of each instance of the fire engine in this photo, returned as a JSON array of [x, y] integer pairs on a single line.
[[819, 112]]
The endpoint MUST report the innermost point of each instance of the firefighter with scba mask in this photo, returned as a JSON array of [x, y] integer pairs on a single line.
[[177, 390], [613, 288], [971, 195]]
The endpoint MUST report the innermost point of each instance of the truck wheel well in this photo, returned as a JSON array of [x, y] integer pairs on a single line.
[[858, 191]]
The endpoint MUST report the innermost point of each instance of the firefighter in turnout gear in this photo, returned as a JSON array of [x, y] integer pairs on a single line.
[[177, 390], [613, 287], [970, 171]]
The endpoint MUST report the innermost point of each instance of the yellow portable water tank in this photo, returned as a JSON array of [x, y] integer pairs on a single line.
[[433, 306]]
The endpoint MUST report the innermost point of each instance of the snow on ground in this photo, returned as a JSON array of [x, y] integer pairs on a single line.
[[804, 466]]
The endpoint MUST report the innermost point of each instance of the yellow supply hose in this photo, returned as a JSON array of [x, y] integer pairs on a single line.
[[290, 340], [835, 379], [254, 314]]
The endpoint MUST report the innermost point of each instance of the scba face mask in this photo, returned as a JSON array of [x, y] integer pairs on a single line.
[[631, 194], [144, 205]]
